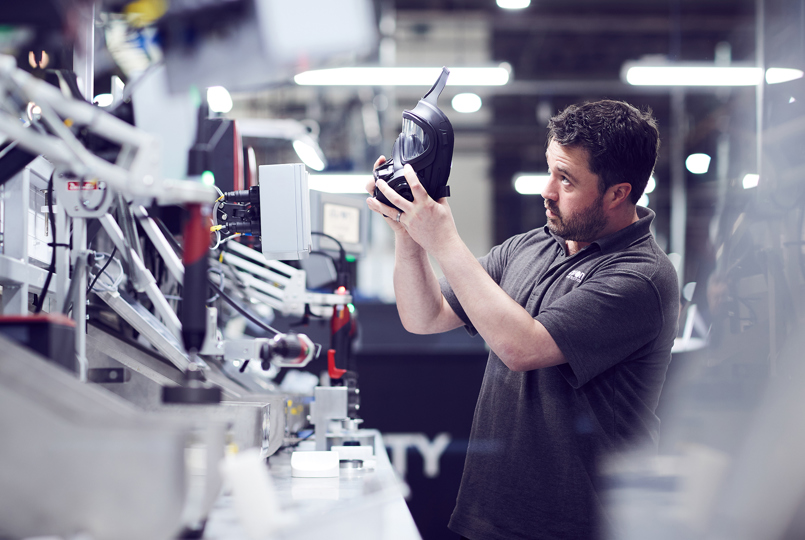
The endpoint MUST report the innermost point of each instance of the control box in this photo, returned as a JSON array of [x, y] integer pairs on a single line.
[[284, 211]]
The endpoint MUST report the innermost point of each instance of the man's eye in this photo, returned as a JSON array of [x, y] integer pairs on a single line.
[[564, 180]]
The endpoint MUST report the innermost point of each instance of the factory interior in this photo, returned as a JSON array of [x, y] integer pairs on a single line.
[[199, 334]]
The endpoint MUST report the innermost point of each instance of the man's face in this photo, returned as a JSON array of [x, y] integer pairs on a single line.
[[573, 202]]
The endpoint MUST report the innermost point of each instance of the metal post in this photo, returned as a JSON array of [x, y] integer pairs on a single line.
[[62, 275], [84, 53], [80, 298], [679, 190], [774, 230], [84, 66], [15, 245]]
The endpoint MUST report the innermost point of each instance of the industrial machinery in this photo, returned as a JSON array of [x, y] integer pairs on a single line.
[[152, 365], [138, 362]]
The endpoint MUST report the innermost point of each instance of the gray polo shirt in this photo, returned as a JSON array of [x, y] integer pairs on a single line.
[[536, 436]]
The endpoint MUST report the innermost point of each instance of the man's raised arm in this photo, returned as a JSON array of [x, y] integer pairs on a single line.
[[422, 308]]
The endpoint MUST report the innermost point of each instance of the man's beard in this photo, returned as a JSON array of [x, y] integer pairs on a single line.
[[581, 226]]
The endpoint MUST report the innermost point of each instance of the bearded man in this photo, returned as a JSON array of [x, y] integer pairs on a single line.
[[580, 317]]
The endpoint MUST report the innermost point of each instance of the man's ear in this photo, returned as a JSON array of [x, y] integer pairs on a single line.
[[619, 193]]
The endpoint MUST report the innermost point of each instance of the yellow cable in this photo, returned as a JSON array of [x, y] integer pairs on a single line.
[[144, 12]]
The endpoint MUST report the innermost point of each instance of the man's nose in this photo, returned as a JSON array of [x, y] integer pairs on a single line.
[[549, 191]]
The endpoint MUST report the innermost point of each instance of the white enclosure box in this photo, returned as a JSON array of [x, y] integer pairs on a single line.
[[284, 211]]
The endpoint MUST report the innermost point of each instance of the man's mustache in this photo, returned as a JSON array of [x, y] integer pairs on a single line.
[[553, 208]]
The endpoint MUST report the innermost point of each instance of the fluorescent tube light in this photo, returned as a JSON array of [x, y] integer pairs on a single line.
[[642, 74], [340, 183], [530, 184], [690, 75], [514, 4], [466, 103], [750, 181], [698, 163], [403, 76], [781, 75]]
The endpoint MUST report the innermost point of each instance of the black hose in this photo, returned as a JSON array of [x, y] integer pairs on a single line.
[[52, 268], [102, 270], [242, 310]]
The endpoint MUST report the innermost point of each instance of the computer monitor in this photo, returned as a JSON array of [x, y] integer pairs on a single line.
[[342, 216]]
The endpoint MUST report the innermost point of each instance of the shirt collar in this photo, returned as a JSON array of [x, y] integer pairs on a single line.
[[622, 238]]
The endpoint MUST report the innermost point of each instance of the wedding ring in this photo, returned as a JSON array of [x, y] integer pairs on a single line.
[[398, 216]]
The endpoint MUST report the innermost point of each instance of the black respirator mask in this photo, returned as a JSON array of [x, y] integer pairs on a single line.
[[426, 143]]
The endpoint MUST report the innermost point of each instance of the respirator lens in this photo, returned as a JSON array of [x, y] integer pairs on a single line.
[[414, 140]]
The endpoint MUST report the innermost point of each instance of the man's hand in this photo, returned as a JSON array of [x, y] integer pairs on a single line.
[[429, 223], [386, 211], [422, 308]]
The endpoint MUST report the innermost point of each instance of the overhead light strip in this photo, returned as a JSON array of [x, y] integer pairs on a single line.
[[693, 76], [403, 76], [534, 183], [340, 183], [704, 75], [530, 183]]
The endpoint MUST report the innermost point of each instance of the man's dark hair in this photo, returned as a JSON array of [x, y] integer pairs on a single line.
[[622, 141]]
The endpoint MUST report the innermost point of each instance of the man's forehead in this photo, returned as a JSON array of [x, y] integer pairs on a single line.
[[573, 156]]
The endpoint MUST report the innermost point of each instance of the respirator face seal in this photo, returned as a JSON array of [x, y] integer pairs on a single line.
[[425, 143]]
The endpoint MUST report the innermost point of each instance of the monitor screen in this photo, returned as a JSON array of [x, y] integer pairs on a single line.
[[341, 222], [342, 216]]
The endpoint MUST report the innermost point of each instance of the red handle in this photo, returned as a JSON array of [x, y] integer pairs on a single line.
[[334, 372]]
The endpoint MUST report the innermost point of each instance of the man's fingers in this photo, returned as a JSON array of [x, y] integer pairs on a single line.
[[418, 191], [370, 184], [394, 198], [382, 209]]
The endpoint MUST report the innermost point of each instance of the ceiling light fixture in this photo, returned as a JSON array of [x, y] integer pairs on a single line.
[[690, 75], [403, 76], [302, 135], [218, 99], [703, 74], [340, 183], [530, 183], [466, 102], [514, 4], [781, 75], [309, 153], [698, 163], [750, 181]]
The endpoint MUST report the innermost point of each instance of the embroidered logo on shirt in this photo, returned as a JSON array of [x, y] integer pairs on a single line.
[[576, 276]]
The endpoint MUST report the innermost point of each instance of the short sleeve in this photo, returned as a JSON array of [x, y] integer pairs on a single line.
[[494, 263], [602, 322]]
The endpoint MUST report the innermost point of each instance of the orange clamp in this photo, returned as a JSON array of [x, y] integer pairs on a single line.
[[334, 372]]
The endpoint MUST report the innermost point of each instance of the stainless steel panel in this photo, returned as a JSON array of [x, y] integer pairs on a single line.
[[76, 458]]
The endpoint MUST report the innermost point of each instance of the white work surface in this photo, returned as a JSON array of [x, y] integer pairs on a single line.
[[358, 505]]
